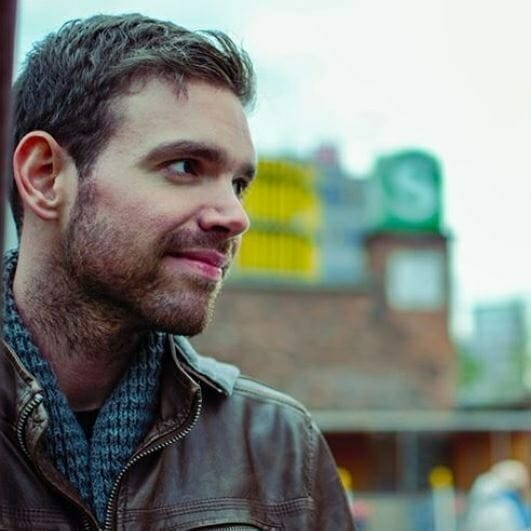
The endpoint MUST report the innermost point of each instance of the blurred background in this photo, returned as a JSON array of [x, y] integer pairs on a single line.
[[385, 281]]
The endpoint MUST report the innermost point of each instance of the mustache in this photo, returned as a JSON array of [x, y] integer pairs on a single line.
[[184, 239]]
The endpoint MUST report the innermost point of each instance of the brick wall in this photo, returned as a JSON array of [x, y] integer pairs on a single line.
[[337, 348]]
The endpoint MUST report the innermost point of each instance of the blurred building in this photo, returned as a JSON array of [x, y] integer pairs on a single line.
[[345, 220], [357, 314], [495, 359], [359, 333]]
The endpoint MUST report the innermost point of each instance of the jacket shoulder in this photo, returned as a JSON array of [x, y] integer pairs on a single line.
[[258, 391]]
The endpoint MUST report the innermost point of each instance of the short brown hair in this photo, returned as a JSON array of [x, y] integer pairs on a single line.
[[70, 77]]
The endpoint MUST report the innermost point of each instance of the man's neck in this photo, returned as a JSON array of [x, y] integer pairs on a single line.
[[88, 344]]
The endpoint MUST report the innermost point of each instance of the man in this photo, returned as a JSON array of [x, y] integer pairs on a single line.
[[498, 499], [131, 155]]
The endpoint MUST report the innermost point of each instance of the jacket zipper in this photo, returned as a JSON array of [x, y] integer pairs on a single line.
[[25, 414], [178, 436]]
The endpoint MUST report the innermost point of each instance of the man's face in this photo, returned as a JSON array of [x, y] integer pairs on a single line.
[[156, 224]]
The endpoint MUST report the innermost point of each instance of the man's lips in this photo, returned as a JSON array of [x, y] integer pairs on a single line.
[[207, 263], [213, 258]]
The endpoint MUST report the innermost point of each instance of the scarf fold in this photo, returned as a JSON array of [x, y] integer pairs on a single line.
[[91, 467]]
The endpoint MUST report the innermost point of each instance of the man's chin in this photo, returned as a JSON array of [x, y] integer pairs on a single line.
[[187, 316], [191, 326]]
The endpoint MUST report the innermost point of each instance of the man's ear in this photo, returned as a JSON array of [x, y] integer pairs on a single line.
[[37, 164]]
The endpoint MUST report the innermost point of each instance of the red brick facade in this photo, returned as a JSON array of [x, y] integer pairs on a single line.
[[338, 348]]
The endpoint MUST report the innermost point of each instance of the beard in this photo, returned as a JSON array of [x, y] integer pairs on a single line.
[[111, 264]]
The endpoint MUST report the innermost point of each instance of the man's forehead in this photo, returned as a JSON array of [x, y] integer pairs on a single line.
[[155, 114], [161, 93]]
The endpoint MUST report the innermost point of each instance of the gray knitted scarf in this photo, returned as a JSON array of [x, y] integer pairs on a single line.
[[92, 466]]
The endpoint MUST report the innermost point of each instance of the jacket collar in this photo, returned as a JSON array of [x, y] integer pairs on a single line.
[[216, 374], [19, 386]]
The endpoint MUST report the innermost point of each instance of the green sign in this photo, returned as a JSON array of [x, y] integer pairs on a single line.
[[408, 195]]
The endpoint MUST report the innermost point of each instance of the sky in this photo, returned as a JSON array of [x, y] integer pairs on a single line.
[[373, 76]]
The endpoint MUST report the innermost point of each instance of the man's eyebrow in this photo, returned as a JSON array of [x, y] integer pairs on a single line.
[[191, 149]]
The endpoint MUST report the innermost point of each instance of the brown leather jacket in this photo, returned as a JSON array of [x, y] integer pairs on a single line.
[[226, 453]]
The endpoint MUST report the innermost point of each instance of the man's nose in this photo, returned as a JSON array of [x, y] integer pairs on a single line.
[[224, 212]]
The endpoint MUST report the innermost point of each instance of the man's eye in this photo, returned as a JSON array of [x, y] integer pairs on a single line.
[[181, 166], [240, 185]]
